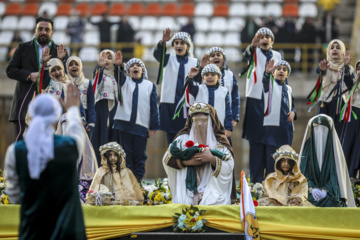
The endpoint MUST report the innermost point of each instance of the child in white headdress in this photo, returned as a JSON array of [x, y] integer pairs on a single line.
[[176, 67], [106, 99], [76, 75], [213, 94], [217, 56], [137, 114], [258, 53]]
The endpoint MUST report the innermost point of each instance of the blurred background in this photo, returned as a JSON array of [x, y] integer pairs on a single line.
[[302, 29]]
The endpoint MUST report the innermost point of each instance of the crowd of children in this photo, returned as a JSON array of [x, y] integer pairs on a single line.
[[120, 106]]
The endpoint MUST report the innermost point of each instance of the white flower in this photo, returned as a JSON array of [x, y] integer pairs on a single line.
[[2, 185]]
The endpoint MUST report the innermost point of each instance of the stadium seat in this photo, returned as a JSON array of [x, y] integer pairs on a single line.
[[219, 24], [30, 9], [83, 8], [64, 9], [201, 24], [222, 1], [215, 39], [33, 1], [60, 37], [89, 54], [145, 37], [273, 9], [199, 38], [9, 22], [49, 7], [170, 9], [221, 10], [2, 8], [233, 54], [256, 9], [182, 20], [236, 24], [238, 10], [148, 23], [187, 9], [27, 23], [67, 1], [134, 22], [291, 1], [99, 9], [92, 37], [204, 9], [200, 52], [291, 9], [13, 9], [27, 35], [136, 9], [153, 9], [117, 9], [167, 22], [61, 22], [148, 54], [6, 37], [232, 38], [91, 27], [308, 10]]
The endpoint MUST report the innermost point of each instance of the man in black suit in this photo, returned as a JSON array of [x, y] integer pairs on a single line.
[[24, 67]]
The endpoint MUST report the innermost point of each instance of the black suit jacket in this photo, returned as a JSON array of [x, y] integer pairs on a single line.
[[22, 63]]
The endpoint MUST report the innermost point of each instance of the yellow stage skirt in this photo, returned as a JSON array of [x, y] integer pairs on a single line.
[[275, 222]]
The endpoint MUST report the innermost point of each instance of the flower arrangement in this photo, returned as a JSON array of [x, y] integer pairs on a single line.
[[190, 221], [356, 191], [256, 190], [4, 199], [157, 194], [99, 198]]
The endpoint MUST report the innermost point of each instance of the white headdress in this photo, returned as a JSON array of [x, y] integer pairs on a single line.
[[44, 111], [138, 61], [186, 38], [220, 50], [211, 68]]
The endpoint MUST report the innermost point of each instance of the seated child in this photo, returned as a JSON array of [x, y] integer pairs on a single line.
[[213, 93], [286, 186], [115, 175]]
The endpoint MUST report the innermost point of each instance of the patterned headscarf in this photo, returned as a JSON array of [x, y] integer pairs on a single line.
[[138, 61], [220, 50], [211, 68], [266, 31], [80, 78], [186, 38], [285, 63]]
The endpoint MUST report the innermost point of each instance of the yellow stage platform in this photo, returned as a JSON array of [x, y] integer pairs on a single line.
[[276, 223]]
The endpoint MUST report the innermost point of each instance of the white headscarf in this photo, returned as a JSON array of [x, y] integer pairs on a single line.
[[44, 111], [109, 72], [80, 78]]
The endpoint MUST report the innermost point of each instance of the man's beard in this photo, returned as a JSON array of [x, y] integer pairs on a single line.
[[43, 40]]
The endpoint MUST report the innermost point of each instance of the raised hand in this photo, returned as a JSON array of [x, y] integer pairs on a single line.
[[167, 35], [118, 58], [324, 64], [347, 58], [270, 66], [61, 52], [193, 72], [45, 55], [101, 61], [256, 40], [204, 60], [72, 97]]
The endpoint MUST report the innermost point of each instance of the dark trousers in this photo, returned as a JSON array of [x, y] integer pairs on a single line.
[[260, 160], [170, 137], [19, 130], [135, 149]]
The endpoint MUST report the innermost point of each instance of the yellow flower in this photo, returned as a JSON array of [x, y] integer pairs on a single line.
[[191, 211], [150, 203], [254, 198], [1, 178], [198, 218]]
